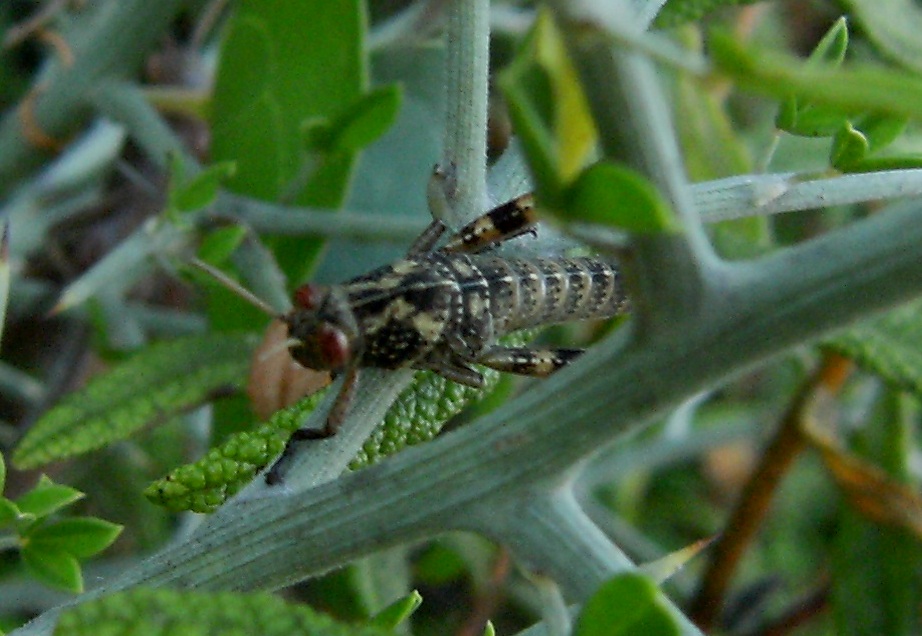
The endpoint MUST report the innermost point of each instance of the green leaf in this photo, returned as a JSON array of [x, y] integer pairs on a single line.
[[55, 568], [880, 130], [2, 473], [47, 497], [361, 124], [219, 244], [489, 629], [616, 196], [851, 89], [153, 385], [201, 190], [893, 26], [549, 110], [416, 416], [398, 611], [849, 147], [80, 536], [9, 513], [627, 604], [802, 117], [888, 345], [184, 612]]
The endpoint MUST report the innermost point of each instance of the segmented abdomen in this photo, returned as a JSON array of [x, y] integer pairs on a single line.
[[519, 293]]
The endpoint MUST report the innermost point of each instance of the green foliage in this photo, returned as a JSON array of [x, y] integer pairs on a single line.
[[188, 195], [50, 547], [284, 65], [892, 26], [676, 12], [181, 613], [608, 194], [416, 416], [627, 604], [549, 111], [398, 611], [154, 385], [888, 346]]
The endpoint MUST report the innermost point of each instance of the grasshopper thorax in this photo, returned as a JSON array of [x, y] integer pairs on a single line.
[[322, 329]]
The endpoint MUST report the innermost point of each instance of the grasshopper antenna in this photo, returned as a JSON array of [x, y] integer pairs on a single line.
[[236, 288]]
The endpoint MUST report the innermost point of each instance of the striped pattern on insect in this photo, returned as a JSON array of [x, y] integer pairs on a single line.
[[443, 309]]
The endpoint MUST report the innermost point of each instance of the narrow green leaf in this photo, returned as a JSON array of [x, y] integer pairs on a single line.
[[830, 50], [219, 244], [55, 568], [80, 536], [183, 612], [549, 109], [616, 196], [47, 497], [2, 473], [888, 345], [153, 385], [202, 189], [802, 117], [489, 629], [627, 604], [398, 611]]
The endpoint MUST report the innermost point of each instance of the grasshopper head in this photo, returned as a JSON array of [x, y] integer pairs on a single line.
[[322, 329]]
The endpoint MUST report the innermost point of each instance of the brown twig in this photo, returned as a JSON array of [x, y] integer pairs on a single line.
[[758, 492]]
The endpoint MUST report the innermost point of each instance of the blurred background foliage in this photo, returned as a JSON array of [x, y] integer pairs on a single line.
[[808, 468]]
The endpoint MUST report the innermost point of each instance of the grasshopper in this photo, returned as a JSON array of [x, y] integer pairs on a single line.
[[444, 308]]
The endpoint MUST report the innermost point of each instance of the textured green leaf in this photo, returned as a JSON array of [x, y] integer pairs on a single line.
[[80, 536], [416, 416], [156, 383], [56, 568], [676, 12], [627, 604], [47, 497], [182, 613], [888, 345]]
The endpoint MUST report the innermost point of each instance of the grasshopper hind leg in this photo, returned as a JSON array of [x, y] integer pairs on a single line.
[[524, 361]]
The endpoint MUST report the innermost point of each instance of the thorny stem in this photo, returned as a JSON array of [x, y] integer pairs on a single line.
[[755, 499]]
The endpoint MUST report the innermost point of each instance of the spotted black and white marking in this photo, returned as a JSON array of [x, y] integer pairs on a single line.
[[444, 309]]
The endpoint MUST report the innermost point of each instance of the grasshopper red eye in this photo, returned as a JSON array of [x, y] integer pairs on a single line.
[[307, 296], [334, 347]]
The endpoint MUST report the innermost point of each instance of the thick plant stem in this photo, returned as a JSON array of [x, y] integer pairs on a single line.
[[464, 157]]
